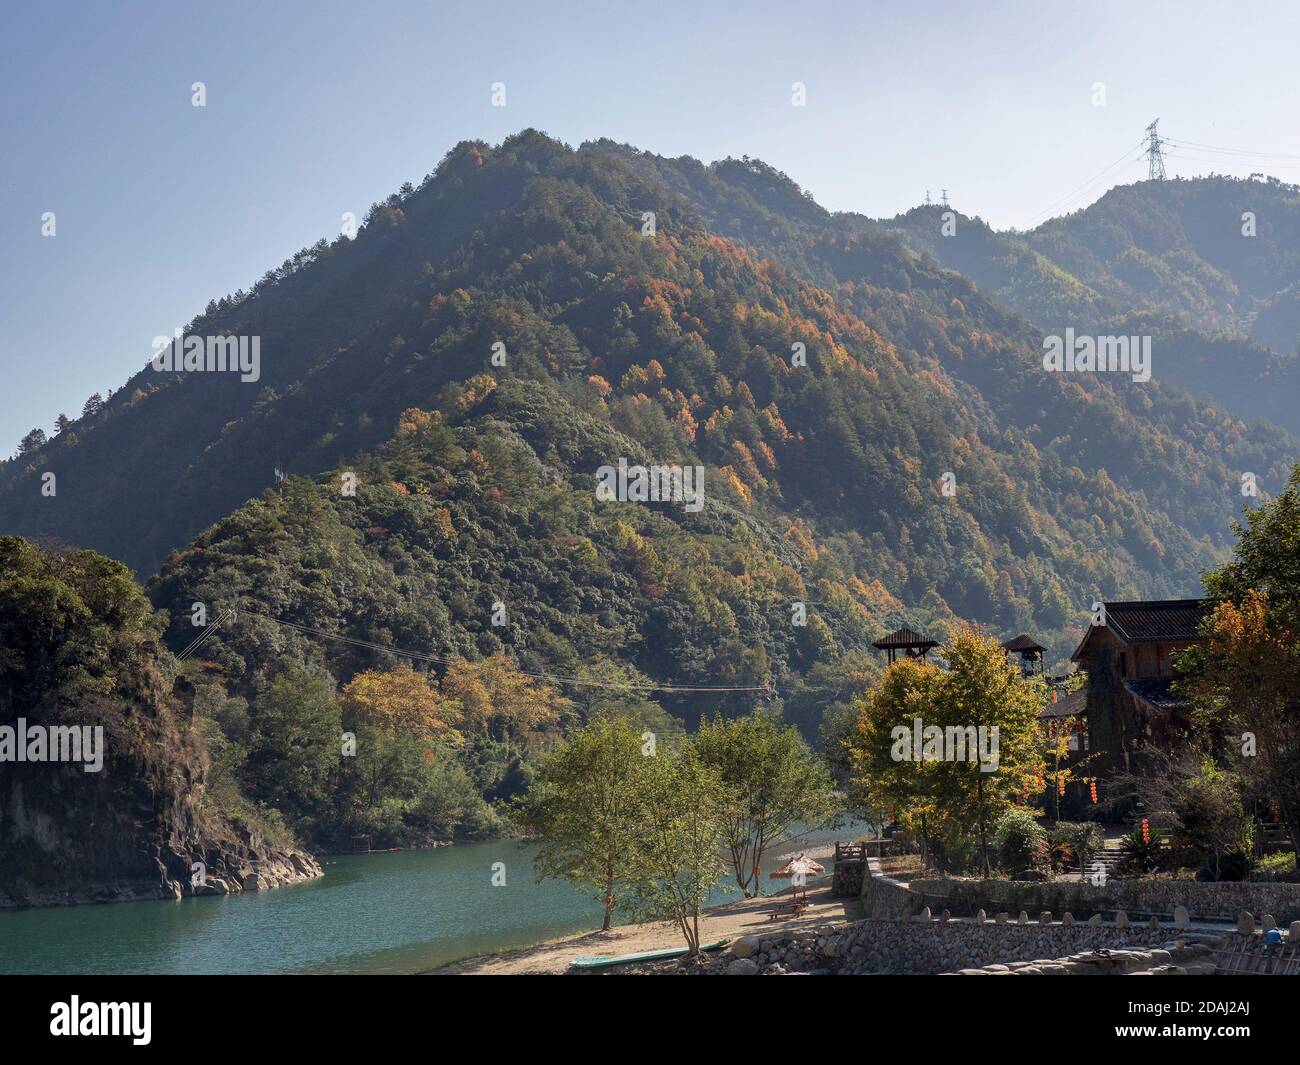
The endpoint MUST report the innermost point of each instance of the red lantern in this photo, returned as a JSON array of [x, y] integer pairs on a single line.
[[1092, 788], [1146, 831], [1060, 784]]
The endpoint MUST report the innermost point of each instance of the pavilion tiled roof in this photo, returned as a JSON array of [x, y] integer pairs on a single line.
[[904, 638], [1023, 643]]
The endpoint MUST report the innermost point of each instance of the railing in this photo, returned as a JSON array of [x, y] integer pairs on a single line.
[[850, 852], [1252, 958], [1271, 839]]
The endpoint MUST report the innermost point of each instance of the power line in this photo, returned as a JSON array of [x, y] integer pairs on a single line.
[[1180, 142], [1127, 156], [579, 681], [194, 644], [1230, 160]]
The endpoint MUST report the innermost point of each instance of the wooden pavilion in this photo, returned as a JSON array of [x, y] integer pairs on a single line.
[[1030, 652], [907, 641]]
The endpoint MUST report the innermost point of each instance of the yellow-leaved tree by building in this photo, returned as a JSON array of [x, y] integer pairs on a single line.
[[947, 791]]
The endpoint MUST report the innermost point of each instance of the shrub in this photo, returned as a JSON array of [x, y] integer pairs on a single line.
[[1019, 842], [1060, 855], [1213, 830], [1237, 865], [1275, 867], [956, 852], [1142, 857], [1076, 841]]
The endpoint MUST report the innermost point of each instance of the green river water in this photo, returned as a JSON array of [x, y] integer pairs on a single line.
[[399, 912]]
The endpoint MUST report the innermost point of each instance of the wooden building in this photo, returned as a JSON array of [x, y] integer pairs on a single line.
[[1130, 700]]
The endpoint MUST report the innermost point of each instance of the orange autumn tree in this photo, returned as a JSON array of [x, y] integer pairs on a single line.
[[1245, 677], [401, 700], [1247, 680]]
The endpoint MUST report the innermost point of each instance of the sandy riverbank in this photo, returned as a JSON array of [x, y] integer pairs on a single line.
[[733, 919]]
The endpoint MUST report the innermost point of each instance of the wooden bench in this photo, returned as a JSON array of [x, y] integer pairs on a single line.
[[793, 908]]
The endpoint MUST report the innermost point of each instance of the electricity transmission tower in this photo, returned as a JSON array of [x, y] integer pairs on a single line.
[[1155, 157]]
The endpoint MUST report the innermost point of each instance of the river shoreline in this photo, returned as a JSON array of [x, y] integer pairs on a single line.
[[726, 920], [277, 869], [391, 912]]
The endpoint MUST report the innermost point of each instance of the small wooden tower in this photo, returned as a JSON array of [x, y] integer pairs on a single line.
[[1030, 652], [911, 643]]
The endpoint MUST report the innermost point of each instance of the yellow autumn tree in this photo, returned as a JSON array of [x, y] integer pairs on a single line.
[[498, 700], [401, 700]]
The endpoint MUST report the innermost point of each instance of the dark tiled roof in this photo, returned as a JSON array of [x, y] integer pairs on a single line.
[[1154, 621], [904, 638], [1155, 692], [1157, 621], [1023, 643], [1075, 704]]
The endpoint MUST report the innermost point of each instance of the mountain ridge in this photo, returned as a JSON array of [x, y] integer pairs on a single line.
[[913, 373]]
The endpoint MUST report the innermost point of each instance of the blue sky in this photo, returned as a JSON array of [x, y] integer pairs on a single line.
[[321, 108]]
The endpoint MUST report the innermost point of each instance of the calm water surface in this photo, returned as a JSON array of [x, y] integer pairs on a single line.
[[370, 913]]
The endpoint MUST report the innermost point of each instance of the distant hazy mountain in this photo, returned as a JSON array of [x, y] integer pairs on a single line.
[[1221, 305]]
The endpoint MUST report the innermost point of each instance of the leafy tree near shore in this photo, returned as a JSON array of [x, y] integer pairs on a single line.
[[499, 701], [679, 843], [982, 688], [401, 700], [904, 789], [586, 806], [772, 783], [294, 747]]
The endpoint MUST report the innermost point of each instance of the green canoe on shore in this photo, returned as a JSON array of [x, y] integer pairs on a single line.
[[599, 961]]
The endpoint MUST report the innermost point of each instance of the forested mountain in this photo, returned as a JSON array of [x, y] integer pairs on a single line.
[[1182, 246], [476, 480], [1168, 256]]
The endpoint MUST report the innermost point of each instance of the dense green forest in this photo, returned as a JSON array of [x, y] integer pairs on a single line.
[[825, 374]]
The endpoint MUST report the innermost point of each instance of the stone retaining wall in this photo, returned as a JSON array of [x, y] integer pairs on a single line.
[[1174, 958], [883, 896], [932, 946], [847, 879], [1224, 899]]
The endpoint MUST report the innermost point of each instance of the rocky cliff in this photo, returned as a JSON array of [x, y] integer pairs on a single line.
[[103, 776]]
